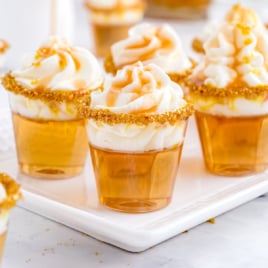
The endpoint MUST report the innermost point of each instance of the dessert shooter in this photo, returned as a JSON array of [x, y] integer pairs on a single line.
[[136, 129], [50, 136], [178, 9], [9, 195], [229, 89], [110, 20], [3, 48], [149, 43]]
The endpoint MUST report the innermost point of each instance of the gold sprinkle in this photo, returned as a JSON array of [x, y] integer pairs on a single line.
[[248, 41], [244, 29], [12, 190], [45, 94], [246, 59], [257, 72], [236, 91], [108, 117], [212, 220]]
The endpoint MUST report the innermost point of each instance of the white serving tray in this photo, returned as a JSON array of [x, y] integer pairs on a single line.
[[198, 196]]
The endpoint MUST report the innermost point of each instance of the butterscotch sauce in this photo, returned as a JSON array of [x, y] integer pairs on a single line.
[[46, 52]]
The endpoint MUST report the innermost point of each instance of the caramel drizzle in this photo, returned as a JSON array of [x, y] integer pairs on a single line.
[[45, 94], [108, 117], [12, 191], [141, 90], [46, 52], [165, 43]]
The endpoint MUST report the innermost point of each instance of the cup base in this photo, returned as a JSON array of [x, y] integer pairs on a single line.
[[135, 205], [50, 172], [135, 182], [50, 149], [233, 146], [234, 170]]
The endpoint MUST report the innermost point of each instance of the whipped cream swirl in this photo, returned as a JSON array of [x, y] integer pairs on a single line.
[[151, 44], [237, 52], [137, 89], [58, 66]]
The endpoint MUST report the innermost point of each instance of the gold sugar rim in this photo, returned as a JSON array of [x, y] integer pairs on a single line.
[[111, 118], [12, 191], [48, 95], [5, 46], [241, 90], [197, 46]]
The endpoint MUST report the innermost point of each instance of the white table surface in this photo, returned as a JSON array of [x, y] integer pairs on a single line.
[[238, 238]]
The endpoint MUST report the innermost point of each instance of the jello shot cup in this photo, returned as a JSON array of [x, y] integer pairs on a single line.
[[136, 129], [229, 90], [50, 136], [110, 21], [9, 195]]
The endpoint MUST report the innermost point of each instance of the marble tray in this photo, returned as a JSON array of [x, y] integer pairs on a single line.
[[198, 196]]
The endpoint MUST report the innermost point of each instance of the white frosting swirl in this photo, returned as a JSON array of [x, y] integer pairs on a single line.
[[137, 89], [238, 51], [58, 66], [55, 66], [235, 54], [151, 44]]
